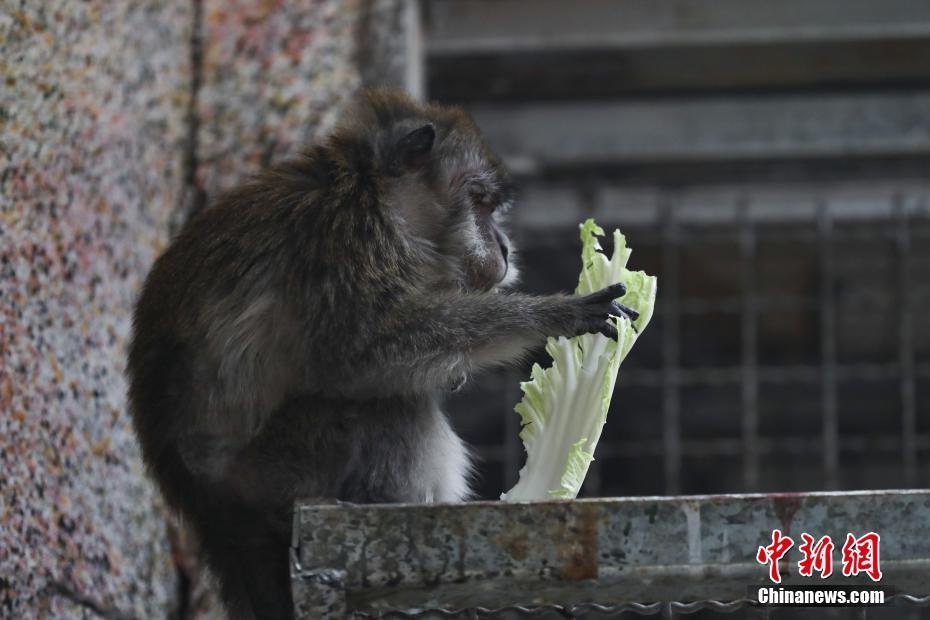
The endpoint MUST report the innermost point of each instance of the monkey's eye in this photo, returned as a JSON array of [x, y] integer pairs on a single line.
[[483, 200]]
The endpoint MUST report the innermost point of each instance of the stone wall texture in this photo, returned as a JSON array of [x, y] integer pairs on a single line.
[[117, 119], [92, 116], [275, 75]]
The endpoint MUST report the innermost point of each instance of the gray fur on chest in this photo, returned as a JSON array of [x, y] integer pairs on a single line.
[[410, 456]]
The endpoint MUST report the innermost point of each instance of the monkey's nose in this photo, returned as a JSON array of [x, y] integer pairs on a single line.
[[504, 251]]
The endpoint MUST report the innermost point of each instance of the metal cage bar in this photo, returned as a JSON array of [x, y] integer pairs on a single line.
[[828, 348], [749, 353], [670, 297], [906, 346]]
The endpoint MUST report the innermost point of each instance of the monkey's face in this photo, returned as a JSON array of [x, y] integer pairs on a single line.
[[469, 193], [473, 193], [486, 248], [461, 215], [450, 191]]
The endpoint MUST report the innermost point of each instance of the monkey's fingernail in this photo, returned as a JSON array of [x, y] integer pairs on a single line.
[[630, 312]]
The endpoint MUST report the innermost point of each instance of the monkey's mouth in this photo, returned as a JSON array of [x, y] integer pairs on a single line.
[[483, 275]]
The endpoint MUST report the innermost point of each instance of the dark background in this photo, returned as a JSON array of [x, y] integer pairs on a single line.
[[768, 162]]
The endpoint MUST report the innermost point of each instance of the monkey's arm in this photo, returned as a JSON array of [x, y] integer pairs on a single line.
[[428, 344]]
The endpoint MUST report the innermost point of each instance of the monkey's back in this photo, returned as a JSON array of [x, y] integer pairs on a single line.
[[210, 318], [251, 310]]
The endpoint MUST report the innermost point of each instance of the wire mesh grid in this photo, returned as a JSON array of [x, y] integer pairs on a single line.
[[862, 412]]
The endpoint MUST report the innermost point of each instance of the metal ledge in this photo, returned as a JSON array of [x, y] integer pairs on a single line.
[[378, 558]]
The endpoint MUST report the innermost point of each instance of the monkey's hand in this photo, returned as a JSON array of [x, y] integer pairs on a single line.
[[593, 311]]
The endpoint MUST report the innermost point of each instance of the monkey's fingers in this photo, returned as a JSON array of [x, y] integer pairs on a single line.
[[609, 293], [608, 330], [618, 309]]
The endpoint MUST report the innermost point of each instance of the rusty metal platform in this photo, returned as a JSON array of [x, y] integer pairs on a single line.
[[627, 553]]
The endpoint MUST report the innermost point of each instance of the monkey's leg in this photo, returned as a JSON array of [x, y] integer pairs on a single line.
[[243, 507], [332, 448], [248, 552]]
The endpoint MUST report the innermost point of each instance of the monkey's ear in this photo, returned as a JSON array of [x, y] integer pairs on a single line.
[[412, 151]]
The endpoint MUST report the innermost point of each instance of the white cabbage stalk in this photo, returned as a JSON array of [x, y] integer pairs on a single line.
[[564, 407]]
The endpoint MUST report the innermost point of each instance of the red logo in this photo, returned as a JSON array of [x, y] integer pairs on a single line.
[[817, 557], [774, 552], [860, 555]]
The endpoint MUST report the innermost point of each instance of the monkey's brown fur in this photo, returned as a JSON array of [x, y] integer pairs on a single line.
[[295, 338]]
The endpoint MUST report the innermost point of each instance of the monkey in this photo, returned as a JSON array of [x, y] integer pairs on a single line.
[[296, 338]]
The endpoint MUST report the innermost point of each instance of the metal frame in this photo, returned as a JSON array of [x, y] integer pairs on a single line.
[[652, 555]]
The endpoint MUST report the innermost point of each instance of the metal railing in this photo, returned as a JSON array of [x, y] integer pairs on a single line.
[[587, 558]]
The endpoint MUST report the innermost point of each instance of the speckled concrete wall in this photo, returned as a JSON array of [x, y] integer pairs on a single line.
[[117, 119], [92, 105], [275, 75]]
